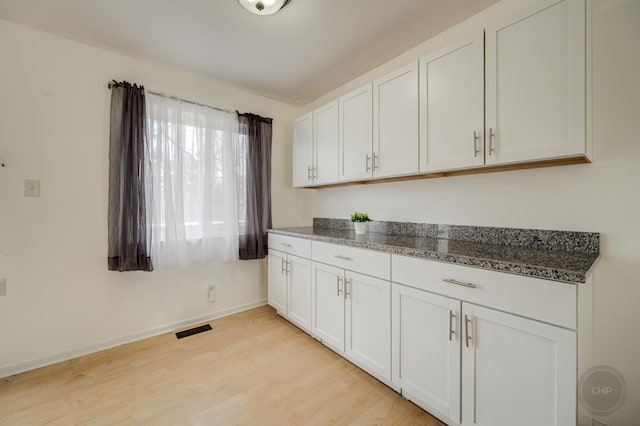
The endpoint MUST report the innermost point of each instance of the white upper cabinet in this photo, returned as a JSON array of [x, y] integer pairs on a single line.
[[452, 107], [303, 150], [395, 118], [315, 147], [356, 134], [535, 84], [515, 93], [326, 144]]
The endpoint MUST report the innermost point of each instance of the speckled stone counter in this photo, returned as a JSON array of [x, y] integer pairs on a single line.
[[552, 255]]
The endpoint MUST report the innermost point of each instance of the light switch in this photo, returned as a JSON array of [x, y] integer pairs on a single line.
[[31, 188]]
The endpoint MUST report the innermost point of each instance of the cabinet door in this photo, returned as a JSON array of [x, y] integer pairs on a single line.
[[326, 142], [368, 323], [535, 83], [299, 275], [356, 134], [452, 106], [516, 370], [395, 123], [303, 150], [277, 285], [327, 320], [426, 350]]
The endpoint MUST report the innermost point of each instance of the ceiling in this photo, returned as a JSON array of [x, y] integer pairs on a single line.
[[307, 49]]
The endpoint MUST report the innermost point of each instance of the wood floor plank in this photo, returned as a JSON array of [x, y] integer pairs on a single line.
[[254, 368]]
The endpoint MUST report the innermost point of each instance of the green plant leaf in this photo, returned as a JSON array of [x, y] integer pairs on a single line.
[[360, 217]]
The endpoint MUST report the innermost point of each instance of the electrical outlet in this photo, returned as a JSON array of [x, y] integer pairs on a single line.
[[212, 294], [3, 286]]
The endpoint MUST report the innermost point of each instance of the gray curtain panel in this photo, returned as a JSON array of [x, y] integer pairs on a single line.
[[253, 238], [127, 223]]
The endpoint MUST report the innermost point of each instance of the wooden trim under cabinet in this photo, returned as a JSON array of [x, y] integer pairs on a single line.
[[475, 170]]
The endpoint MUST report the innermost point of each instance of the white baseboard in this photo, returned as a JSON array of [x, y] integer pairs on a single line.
[[10, 370]]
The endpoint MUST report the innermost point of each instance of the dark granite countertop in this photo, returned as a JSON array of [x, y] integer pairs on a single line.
[[550, 264]]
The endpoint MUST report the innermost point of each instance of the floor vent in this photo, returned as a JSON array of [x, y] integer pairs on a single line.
[[193, 331]]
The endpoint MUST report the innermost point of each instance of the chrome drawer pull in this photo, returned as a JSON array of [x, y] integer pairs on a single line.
[[451, 332], [467, 320], [341, 257], [491, 136], [285, 244], [456, 282], [475, 144], [338, 286]]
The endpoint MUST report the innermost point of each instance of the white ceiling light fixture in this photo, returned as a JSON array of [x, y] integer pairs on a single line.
[[263, 7]]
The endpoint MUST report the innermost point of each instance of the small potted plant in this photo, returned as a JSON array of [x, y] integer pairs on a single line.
[[360, 222]]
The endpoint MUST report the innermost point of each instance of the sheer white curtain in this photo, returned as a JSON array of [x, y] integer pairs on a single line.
[[193, 179]]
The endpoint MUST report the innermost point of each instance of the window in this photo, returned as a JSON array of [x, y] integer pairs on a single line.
[[196, 181]]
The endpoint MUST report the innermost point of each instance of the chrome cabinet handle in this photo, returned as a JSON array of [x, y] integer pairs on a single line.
[[288, 265], [456, 282], [338, 286], [375, 162], [476, 151], [341, 257], [491, 135], [285, 244], [451, 332], [309, 176], [347, 287], [467, 320], [282, 269], [367, 159]]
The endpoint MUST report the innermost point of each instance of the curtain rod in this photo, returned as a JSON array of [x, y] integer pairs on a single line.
[[163, 95]]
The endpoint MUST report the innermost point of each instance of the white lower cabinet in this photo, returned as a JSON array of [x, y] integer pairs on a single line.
[[368, 323], [277, 285], [426, 350], [352, 315], [327, 318], [299, 291], [289, 285], [516, 371], [473, 347], [472, 365]]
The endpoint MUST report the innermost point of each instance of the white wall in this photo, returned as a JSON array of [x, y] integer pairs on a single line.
[[599, 197], [54, 126]]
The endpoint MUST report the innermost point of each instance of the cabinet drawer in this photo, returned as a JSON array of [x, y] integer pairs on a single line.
[[374, 263], [296, 246], [543, 300]]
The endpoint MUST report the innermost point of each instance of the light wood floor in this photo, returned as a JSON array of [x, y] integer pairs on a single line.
[[254, 368]]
